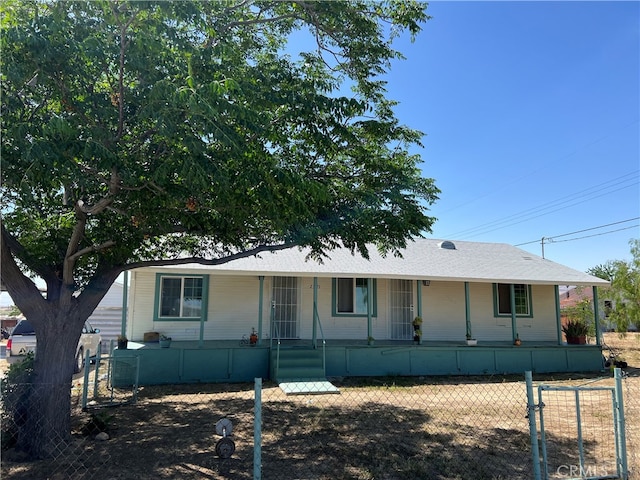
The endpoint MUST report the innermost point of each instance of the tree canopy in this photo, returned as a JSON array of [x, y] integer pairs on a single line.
[[157, 132], [624, 293], [136, 132]]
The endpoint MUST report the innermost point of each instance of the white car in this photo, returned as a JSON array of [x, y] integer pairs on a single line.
[[23, 340]]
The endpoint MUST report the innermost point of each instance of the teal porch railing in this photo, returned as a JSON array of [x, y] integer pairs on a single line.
[[275, 336], [275, 333], [324, 343]]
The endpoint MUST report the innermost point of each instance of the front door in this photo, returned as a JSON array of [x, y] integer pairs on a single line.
[[284, 301], [401, 309]]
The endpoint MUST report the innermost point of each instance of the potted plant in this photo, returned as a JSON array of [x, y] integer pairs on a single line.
[[122, 342], [471, 340], [253, 338], [517, 342], [417, 323], [417, 333], [371, 340], [165, 341], [576, 332]]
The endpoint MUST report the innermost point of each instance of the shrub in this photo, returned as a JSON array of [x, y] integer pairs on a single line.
[[15, 388]]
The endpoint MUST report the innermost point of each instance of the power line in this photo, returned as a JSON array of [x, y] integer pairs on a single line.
[[552, 239], [594, 228], [624, 181], [543, 167], [595, 234]]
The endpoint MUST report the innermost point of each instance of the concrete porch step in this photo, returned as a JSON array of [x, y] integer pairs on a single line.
[[297, 363], [287, 372], [317, 386]]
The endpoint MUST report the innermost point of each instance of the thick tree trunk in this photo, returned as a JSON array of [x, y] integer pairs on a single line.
[[45, 423], [43, 414]]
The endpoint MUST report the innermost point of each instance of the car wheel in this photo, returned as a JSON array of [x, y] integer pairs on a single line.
[[94, 358], [77, 367]]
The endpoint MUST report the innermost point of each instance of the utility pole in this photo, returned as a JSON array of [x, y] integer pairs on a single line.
[[542, 243]]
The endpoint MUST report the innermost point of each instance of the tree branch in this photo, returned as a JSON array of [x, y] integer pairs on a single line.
[[18, 285], [211, 261], [103, 203], [123, 47], [244, 23], [91, 249]]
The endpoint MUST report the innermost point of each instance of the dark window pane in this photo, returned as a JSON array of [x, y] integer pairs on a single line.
[[345, 295], [170, 297], [504, 299]]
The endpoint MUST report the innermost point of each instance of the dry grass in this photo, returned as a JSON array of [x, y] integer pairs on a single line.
[[627, 344], [382, 428]]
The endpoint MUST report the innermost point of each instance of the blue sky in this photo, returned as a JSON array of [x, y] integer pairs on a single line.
[[531, 113]]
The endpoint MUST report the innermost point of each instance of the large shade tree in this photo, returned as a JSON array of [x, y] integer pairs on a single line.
[[156, 133], [624, 292]]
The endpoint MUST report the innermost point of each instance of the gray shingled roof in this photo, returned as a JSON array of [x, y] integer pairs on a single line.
[[423, 259]]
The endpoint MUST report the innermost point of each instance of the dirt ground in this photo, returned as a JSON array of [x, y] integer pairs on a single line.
[[449, 428]]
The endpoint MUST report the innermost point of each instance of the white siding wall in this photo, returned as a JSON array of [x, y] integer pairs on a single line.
[[544, 324], [349, 328], [443, 308], [232, 309], [234, 302], [443, 311]]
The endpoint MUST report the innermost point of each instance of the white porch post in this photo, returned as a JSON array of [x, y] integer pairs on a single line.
[[467, 310], [125, 301], [314, 332], [558, 315], [419, 299], [369, 309], [596, 314], [260, 304], [514, 324]]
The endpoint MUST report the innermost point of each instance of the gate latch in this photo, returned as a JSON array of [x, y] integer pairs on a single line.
[[534, 408]]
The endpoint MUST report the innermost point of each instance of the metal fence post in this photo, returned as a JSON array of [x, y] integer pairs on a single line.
[[257, 430], [533, 430], [85, 385], [621, 440], [95, 376]]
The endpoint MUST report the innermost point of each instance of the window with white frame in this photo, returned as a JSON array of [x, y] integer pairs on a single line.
[[351, 296], [180, 297], [522, 297]]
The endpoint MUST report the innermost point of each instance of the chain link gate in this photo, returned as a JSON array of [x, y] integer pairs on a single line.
[[581, 430]]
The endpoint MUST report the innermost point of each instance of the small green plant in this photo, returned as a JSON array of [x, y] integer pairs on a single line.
[[417, 321], [98, 422], [165, 337], [16, 388]]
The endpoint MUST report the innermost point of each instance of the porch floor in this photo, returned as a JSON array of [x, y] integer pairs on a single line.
[[212, 344]]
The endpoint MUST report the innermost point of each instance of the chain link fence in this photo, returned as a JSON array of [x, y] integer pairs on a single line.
[[374, 428], [582, 434]]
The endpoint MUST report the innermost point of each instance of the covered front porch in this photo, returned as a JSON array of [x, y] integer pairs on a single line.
[[230, 361], [303, 332]]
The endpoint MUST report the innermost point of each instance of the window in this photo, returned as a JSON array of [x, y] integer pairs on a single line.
[[180, 297], [502, 299], [351, 296]]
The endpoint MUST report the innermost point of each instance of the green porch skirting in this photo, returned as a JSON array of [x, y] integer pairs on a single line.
[[463, 360], [208, 364], [186, 362]]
